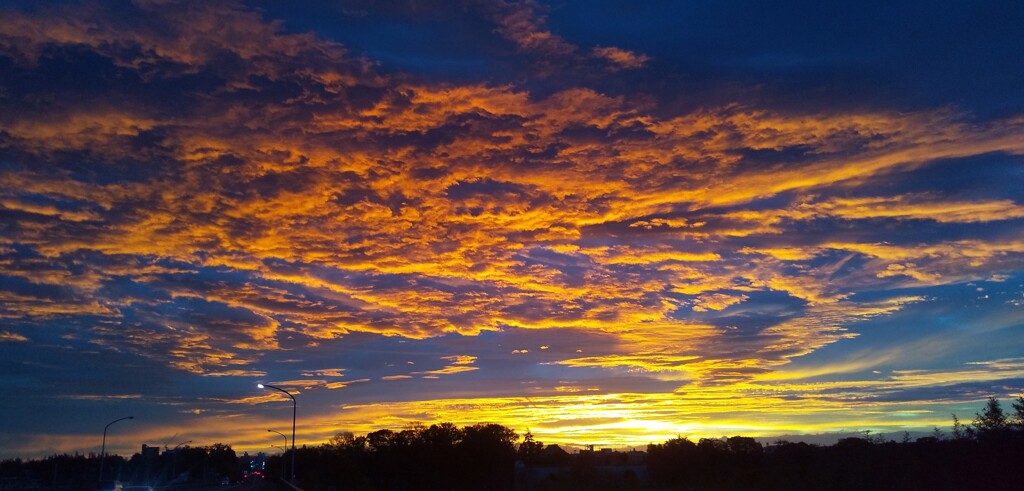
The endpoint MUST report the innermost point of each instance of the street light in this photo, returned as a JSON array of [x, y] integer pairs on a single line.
[[289, 394], [284, 449], [103, 449], [174, 463], [282, 436]]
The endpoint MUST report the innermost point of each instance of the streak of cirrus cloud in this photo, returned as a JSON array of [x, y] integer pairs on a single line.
[[193, 192]]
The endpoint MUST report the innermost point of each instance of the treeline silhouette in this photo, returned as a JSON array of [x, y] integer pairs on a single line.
[[987, 453], [80, 472], [441, 456]]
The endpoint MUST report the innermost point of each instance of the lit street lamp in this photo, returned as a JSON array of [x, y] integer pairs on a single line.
[[103, 450], [289, 394]]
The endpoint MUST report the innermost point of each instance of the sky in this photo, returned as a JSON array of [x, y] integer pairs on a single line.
[[603, 222]]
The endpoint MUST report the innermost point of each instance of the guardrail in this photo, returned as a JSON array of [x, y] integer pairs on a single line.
[[290, 485]]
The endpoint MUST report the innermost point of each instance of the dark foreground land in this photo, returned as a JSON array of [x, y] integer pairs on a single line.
[[985, 455], [248, 485]]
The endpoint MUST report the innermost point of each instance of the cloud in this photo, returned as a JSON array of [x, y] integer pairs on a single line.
[[396, 377], [621, 58], [716, 301], [327, 372], [460, 359], [521, 24], [524, 24], [923, 209], [97, 397], [459, 364], [311, 228], [12, 337]]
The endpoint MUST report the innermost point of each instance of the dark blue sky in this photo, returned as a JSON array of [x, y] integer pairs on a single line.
[[907, 55]]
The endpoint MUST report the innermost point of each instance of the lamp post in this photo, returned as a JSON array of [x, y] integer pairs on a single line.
[[283, 449], [103, 449], [174, 463], [282, 436], [289, 394]]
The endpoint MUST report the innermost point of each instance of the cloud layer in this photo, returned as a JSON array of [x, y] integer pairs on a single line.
[[198, 191]]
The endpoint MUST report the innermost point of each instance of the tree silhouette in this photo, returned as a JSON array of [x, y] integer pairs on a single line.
[[381, 440], [222, 460], [530, 450], [1018, 410], [960, 432], [991, 420], [744, 445], [672, 462], [488, 453]]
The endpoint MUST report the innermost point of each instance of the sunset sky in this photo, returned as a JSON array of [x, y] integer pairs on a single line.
[[607, 222]]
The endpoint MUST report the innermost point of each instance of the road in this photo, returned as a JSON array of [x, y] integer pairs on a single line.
[[259, 485]]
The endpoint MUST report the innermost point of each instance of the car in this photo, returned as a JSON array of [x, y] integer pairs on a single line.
[[110, 486]]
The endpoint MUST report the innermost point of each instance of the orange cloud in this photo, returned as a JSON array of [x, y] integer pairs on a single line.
[[12, 337], [623, 59]]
